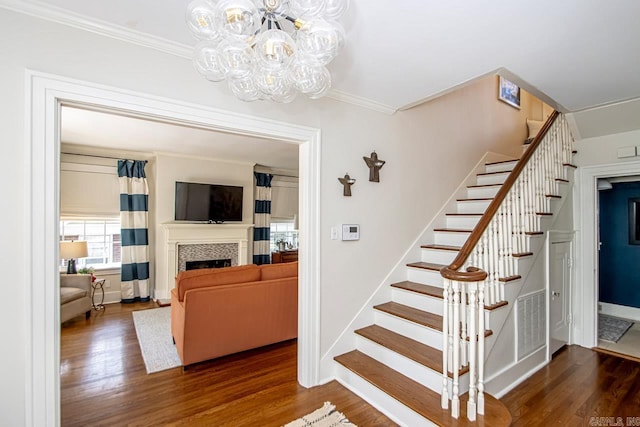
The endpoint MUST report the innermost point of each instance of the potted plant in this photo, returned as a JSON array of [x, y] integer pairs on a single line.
[[87, 270]]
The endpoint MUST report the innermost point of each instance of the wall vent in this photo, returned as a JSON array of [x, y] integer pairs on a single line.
[[532, 321]]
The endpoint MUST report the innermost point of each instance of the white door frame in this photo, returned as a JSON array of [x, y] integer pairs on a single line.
[[44, 94], [585, 213]]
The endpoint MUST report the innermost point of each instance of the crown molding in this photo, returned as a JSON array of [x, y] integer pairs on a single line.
[[65, 17], [360, 102], [58, 15]]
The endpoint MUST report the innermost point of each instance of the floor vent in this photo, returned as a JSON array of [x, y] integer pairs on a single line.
[[532, 320]]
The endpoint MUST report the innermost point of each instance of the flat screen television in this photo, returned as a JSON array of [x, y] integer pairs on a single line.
[[208, 202]]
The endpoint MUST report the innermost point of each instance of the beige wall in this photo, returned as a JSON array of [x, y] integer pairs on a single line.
[[190, 169], [428, 149]]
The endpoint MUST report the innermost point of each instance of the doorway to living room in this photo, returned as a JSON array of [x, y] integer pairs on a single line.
[[49, 93]]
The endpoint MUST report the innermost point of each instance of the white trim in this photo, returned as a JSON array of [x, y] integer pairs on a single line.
[[585, 213], [622, 311], [45, 92], [361, 102], [72, 19]]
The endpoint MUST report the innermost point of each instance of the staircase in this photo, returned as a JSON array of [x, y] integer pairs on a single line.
[[456, 290]]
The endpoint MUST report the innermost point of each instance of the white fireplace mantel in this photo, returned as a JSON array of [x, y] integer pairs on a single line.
[[176, 234]]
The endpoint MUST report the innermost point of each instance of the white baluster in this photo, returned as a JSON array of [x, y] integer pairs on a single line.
[[463, 324], [480, 358], [455, 398], [445, 344], [473, 356]]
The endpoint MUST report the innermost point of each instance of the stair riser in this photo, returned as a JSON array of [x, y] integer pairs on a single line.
[[420, 333], [449, 238], [438, 256], [472, 206], [500, 167], [392, 408], [482, 192], [419, 301], [425, 277], [498, 178], [407, 367], [463, 222]]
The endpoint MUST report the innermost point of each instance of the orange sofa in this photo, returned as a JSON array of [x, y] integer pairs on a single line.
[[221, 311]]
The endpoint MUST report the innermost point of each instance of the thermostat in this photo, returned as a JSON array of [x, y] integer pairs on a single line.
[[350, 232]]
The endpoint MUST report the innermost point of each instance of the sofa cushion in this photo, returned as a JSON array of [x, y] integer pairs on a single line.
[[68, 294], [207, 277], [277, 271]]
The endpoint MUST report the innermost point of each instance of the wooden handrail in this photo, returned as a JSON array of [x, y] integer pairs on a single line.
[[473, 275]]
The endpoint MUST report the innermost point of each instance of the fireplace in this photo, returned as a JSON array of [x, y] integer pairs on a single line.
[[194, 242], [208, 263]]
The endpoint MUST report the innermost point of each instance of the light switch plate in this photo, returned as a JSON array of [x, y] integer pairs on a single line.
[[334, 233]]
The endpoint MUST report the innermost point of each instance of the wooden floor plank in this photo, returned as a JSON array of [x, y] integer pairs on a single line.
[[104, 382]]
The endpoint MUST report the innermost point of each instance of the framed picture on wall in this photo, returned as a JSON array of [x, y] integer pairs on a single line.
[[509, 92], [634, 221]]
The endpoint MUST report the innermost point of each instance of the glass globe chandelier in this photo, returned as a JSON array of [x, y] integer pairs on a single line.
[[267, 49]]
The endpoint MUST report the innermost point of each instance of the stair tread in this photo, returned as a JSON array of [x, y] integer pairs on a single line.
[[453, 230], [464, 214], [442, 247], [478, 199], [435, 292], [414, 315], [426, 265], [522, 254], [501, 161], [419, 288], [484, 185], [407, 347], [493, 173], [417, 397]]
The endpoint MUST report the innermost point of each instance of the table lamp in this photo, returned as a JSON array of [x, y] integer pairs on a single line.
[[70, 250]]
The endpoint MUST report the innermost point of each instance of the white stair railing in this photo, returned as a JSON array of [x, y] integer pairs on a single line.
[[476, 277]]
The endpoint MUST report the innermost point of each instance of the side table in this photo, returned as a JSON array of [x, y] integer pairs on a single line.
[[97, 284]]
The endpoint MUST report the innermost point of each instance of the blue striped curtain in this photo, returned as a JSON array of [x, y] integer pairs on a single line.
[[262, 219], [134, 209]]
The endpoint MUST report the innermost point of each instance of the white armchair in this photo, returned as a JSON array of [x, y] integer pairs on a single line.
[[75, 296]]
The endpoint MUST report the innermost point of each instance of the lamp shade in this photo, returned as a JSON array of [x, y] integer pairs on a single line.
[[73, 249]]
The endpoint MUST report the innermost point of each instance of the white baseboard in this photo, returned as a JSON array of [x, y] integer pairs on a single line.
[[631, 313]]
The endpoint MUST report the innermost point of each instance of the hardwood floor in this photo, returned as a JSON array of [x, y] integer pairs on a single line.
[[580, 387], [104, 382]]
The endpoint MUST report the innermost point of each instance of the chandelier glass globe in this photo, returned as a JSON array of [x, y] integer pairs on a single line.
[[267, 49]]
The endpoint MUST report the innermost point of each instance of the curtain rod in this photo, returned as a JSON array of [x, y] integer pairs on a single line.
[[94, 155]]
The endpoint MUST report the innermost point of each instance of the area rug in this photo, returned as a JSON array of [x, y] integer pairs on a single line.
[[153, 328], [326, 416], [611, 328]]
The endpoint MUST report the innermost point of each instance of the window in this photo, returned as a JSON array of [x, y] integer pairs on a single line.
[[103, 241], [283, 231]]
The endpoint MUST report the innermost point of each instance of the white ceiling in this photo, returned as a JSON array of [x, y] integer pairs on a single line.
[[573, 54], [117, 132]]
